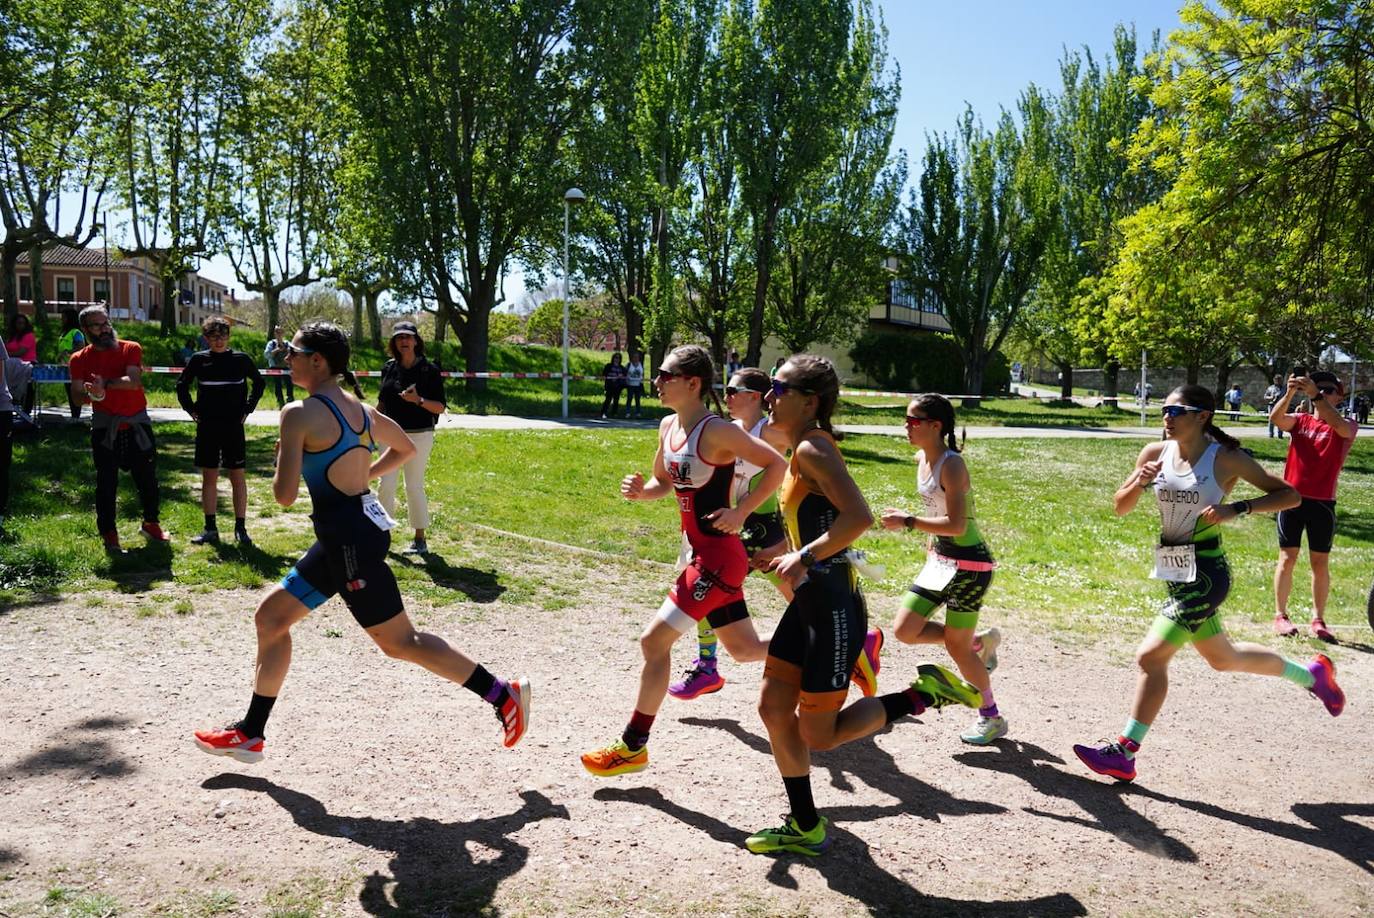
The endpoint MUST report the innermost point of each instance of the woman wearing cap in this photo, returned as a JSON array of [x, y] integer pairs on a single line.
[[412, 395]]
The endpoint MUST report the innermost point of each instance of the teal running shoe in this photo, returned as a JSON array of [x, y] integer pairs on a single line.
[[986, 730]]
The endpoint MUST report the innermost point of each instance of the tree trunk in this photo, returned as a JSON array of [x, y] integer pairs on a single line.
[[357, 296], [764, 267], [271, 298], [441, 321], [973, 380], [1194, 371], [9, 283], [1224, 368], [1065, 380], [1111, 380], [40, 304], [475, 340], [374, 319], [171, 302]]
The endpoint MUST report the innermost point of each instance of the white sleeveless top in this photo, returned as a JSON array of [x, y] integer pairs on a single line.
[[1183, 496], [932, 495], [686, 468], [746, 470]]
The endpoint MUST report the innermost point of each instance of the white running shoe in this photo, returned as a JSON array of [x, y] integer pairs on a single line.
[[991, 638], [985, 731]]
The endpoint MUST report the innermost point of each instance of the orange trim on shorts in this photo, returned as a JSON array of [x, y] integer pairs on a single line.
[[783, 671], [819, 702]]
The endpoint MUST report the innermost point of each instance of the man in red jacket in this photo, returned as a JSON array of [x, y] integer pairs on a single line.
[[108, 373], [1318, 445]]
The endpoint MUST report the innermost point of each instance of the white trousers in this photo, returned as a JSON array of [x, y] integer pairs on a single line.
[[417, 504]]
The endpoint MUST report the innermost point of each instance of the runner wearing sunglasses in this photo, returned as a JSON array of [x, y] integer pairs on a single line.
[[329, 439], [817, 642], [695, 462], [1317, 447], [959, 565], [1192, 471]]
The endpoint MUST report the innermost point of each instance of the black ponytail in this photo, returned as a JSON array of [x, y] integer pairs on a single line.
[[818, 376], [353, 381]]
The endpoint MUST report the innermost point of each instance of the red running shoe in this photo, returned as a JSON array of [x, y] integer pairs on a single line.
[[154, 533], [1283, 627], [233, 742], [111, 540], [515, 711], [1324, 687], [1318, 629], [865, 674]]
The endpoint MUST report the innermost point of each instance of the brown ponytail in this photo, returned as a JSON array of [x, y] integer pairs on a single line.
[[693, 360], [817, 375], [353, 381], [938, 408]]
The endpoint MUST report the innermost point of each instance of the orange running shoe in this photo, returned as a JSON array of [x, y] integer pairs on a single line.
[[615, 759], [866, 668], [515, 712], [233, 742]]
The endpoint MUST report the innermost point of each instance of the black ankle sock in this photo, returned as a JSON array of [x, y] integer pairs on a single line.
[[210, 521], [240, 524], [898, 705], [481, 684], [800, 801], [258, 710]]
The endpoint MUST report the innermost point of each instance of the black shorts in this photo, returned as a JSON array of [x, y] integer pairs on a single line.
[[220, 444], [1318, 517], [736, 611], [348, 558], [819, 638]]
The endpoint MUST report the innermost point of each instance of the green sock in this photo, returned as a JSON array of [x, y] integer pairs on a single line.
[[1132, 736], [706, 645], [1298, 674]]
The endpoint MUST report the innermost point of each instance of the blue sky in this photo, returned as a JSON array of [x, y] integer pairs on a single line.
[[978, 53]]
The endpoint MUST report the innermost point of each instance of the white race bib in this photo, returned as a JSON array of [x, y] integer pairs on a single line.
[[1176, 563], [937, 573], [377, 513]]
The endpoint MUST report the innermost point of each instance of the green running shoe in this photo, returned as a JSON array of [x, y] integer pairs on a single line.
[[986, 730], [788, 837], [944, 687]]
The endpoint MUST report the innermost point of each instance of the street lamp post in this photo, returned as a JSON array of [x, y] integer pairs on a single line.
[[570, 197]]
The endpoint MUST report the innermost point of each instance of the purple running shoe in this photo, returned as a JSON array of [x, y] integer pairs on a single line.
[[696, 682], [1107, 759], [1324, 687]]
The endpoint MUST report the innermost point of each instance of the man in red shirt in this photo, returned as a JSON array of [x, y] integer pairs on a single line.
[[1318, 445], [109, 374]]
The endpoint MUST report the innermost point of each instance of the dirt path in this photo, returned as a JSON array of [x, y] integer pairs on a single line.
[[386, 791]]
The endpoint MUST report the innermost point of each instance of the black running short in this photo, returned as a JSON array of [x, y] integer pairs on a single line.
[[348, 558], [760, 531], [220, 444], [819, 638], [1317, 517]]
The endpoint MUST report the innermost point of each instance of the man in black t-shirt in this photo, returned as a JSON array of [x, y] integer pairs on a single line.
[[222, 403]]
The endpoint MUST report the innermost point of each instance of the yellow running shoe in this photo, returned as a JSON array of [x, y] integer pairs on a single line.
[[945, 687], [615, 759], [789, 837]]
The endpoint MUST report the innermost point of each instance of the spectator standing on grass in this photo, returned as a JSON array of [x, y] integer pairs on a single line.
[[6, 447], [634, 382], [1362, 408], [275, 354], [20, 341], [1233, 399], [182, 355], [71, 341], [1271, 398], [1319, 443], [221, 406], [110, 373], [614, 376], [412, 395]]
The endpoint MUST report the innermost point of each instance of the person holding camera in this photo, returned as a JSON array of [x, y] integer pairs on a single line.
[[1318, 445], [412, 395]]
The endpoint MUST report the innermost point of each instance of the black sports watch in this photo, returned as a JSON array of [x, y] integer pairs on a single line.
[[808, 557]]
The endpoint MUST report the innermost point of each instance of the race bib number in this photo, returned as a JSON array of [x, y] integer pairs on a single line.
[[1175, 563], [377, 513], [937, 574]]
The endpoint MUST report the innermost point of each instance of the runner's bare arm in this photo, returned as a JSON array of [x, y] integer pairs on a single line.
[[286, 479], [1147, 466], [1232, 464]]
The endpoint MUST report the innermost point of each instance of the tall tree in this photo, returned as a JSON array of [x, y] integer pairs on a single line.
[[58, 70], [283, 155], [784, 60], [186, 70], [977, 227], [831, 239], [467, 107]]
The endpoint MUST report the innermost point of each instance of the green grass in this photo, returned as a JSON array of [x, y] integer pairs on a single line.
[[1045, 507], [1001, 412]]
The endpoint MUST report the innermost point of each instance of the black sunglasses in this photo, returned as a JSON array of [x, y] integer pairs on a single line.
[[1176, 411], [780, 388], [736, 390], [665, 375]]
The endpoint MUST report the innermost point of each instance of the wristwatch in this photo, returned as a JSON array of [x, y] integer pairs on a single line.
[[808, 557], [910, 521]]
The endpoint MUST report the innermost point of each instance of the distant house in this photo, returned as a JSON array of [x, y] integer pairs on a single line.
[[129, 287]]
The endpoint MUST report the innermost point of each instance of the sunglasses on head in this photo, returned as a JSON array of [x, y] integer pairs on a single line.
[[780, 388], [1177, 411]]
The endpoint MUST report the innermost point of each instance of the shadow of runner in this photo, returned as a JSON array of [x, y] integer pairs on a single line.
[[1333, 826], [477, 585], [848, 868], [87, 755], [870, 763], [432, 869], [1103, 802]]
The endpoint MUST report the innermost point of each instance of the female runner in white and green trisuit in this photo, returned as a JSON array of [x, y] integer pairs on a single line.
[[959, 565], [1192, 471]]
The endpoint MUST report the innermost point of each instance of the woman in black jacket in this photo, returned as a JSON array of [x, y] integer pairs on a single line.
[[412, 395]]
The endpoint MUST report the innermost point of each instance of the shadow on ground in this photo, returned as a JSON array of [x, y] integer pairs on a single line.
[[477, 585], [80, 752], [434, 867]]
